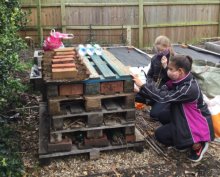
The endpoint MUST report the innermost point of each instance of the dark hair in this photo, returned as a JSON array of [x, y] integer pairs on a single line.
[[182, 61]]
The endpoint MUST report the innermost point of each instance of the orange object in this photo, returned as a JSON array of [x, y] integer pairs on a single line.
[[139, 106], [216, 124]]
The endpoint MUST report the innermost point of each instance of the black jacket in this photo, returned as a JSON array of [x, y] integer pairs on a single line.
[[156, 70], [191, 120]]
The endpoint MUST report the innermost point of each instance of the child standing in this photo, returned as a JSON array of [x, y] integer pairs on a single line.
[[190, 122], [158, 72]]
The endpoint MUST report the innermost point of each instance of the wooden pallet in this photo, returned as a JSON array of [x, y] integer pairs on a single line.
[[94, 152], [101, 69], [90, 122], [59, 105], [96, 88]]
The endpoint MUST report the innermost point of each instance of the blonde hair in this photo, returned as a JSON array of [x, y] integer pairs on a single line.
[[162, 40], [165, 42]]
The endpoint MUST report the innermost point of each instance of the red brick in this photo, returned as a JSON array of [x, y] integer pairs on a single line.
[[63, 56], [64, 65], [64, 73], [111, 87], [130, 138], [64, 145], [63, 60], [72, 89], [97, 142], [65, 53]]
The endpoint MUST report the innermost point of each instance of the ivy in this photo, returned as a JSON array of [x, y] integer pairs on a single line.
[[12, 19], [10, 160]]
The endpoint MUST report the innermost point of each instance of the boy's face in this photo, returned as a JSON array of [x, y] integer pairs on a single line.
[[174, 73]]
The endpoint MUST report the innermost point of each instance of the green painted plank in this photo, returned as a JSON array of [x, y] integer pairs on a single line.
[[115, 64], [102, 66]]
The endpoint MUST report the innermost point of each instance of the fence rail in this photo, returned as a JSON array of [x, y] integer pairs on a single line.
[[133, 22]]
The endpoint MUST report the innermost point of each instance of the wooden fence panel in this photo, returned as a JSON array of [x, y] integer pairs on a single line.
[[180, 14], [180, 34], [32, 19], [102, 15], [50, 16], [180, 20]]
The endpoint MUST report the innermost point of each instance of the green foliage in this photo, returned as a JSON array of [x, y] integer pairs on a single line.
[[12, 18], [10, 160]]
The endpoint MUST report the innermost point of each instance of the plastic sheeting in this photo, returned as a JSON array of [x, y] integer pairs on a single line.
[[197, 54], [130, 56], [208, 76]]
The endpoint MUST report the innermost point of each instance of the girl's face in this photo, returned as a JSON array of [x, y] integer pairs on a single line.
[[174, 73], [161, 49]]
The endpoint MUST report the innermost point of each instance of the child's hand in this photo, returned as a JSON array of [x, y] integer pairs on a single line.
[[164, 61], [136, 89], [136, 80]]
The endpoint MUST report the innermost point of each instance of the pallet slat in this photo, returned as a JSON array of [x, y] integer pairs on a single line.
[[103, 68], [115, 64], [93, 73]]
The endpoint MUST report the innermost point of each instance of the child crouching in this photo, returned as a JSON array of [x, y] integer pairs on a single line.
[[190, 122]]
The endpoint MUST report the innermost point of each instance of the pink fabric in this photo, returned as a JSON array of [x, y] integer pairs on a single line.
[[54, 40], [198, 124]]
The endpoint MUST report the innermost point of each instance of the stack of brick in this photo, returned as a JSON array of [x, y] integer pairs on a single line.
[[63, 65]]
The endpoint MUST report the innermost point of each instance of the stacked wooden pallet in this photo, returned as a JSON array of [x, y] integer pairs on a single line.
[[91, 115]]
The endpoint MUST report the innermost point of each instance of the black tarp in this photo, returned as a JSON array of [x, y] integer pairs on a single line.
[[197, 54], [130, 56], [135, 58]]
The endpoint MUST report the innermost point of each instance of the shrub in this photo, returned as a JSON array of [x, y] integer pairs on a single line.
[[10, 160], [12, 19]]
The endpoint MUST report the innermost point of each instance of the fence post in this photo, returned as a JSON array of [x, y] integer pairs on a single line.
[[219, 19], [141, 30], [63, 16], [129, 35], [39, 28]]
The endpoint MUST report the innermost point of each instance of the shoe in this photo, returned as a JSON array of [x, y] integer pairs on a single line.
[[197, 155]]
